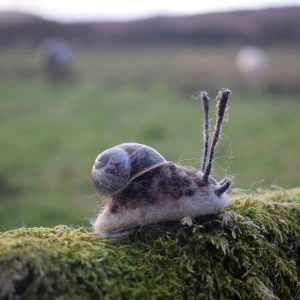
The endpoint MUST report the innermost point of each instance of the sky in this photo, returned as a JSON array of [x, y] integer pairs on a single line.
[[85, 10]]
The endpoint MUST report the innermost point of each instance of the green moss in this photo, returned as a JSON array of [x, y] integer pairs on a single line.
[[250, 251]]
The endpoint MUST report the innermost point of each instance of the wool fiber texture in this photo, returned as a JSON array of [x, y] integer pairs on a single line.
[[167, 193]]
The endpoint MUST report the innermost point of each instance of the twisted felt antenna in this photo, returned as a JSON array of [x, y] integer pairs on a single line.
[[223, 186], [205, 105], [221, 107]]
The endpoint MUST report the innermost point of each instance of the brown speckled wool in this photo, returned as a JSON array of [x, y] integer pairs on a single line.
[[167, 180]]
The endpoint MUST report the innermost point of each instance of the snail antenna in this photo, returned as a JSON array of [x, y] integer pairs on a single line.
[[222, 98], [205, 106]]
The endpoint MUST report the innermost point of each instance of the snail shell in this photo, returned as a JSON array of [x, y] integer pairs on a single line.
[[116, 167]]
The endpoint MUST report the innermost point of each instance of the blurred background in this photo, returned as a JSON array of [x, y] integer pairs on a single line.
[[79, 77]]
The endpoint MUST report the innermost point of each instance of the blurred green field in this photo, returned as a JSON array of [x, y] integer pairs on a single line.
[[51, 134]]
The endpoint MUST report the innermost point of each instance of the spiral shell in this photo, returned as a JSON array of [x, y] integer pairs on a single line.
[[116, 167]]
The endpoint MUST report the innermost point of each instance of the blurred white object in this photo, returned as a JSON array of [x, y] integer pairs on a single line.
[[252, 61]]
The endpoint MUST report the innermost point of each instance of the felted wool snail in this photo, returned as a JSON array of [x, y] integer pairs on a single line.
[[144, 188]]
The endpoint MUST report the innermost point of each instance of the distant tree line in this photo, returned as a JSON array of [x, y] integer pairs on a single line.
[[278, 26]]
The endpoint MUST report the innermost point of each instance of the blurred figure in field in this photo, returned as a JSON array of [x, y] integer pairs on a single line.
[[252, 63], [57, 59]]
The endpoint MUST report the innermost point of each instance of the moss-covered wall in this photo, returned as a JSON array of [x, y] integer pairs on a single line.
[[250, 251]]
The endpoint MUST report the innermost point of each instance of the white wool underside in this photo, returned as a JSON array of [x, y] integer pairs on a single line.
[[200, 204]]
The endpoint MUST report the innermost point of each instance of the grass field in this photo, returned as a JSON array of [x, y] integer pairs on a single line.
[[51, 134]]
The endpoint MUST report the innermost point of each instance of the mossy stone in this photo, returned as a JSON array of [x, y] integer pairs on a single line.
[[249, 251]]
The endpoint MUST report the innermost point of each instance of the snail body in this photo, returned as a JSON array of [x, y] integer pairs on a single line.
[[142, 187], [167, 193]]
